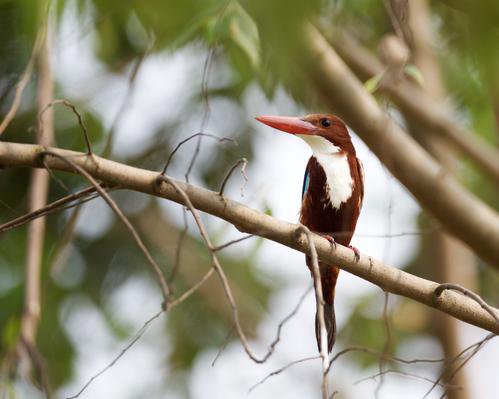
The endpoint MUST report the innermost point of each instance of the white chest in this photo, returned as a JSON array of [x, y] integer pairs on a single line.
[[339, 183]]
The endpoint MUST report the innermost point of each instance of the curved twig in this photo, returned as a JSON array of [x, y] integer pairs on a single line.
[[157, 269], [244, 163]]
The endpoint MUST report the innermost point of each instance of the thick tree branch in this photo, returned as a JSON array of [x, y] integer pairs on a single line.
[[458, 210], [414, 101], [254, 222]]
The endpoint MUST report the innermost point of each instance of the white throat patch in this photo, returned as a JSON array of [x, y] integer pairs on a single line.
[[339, 183]]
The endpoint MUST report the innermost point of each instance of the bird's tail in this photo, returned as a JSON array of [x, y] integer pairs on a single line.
[[329, 275], [330, 321]]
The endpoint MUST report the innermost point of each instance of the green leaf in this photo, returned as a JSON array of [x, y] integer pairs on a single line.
[[413, 72], [372, 84], [10, 332], [244, 33]]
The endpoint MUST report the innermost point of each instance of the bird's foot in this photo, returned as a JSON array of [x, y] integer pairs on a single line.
[[356, 252], [330, 238]]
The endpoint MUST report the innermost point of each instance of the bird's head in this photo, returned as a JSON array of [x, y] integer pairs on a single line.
[[324, 133]]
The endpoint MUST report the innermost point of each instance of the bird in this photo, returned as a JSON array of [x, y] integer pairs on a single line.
[[332, 194]]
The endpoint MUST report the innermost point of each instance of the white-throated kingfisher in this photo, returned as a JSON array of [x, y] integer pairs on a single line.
[[332, 194]]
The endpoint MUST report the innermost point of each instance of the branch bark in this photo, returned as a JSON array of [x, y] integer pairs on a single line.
[[251, 221], [459, 211]]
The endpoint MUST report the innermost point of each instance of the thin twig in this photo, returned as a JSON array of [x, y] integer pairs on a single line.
[[474, 350], [144, 328], [463, 363], [59, 254], [319, 299], [386, 317], [53, 206], [73, 108], [386, 356], [218, 268], [26, 76], [232, 242], [386, 347], [406, 374], [243, 162], [180, 245], [69, 227], [193, 289], [349, 350], [137, 336], [281, 324], [204, 92], [279, 371], [40, 365], [206, 112], [220, 140], [156, 268], [224, 345], [108, 147]]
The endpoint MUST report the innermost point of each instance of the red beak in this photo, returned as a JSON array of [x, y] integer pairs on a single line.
[[289, 124]]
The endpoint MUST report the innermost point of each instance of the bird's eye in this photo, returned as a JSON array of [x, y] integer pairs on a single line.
[[325, 122]]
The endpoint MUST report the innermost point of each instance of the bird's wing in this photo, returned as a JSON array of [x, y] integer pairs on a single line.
[[360, 171], [306, 180]]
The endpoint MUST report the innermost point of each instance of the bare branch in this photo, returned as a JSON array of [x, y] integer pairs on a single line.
[[228, 244], [137, 336], [72, 107], [224, 345], [191, 290], [251, 221], [220, 140], [108, 147], [218, 268], [279, 327], [39, 364], [279, 371], [52, 207], [156, 268], [463, 363], [28, 71], [207, 109], [404, 373], [319, 300], [180, 244], [475, 348], [243, 162]]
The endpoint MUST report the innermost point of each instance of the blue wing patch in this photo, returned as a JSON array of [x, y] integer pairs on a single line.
[[306, 182]]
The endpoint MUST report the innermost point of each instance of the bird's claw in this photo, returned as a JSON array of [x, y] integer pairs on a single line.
[[356, 252], [330, 238]]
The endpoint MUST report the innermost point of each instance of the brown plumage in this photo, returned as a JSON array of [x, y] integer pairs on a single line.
[[332, 192]]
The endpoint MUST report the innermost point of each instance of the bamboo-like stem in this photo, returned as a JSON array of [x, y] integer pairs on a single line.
[[37, 198]]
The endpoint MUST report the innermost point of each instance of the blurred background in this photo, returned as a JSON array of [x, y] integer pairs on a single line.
[[146, 75]]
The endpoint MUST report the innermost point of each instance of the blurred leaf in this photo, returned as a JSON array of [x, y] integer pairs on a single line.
[[243, 31], [372, 84], [10, 332], [413, 72]]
